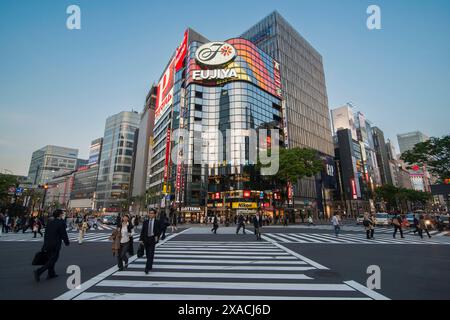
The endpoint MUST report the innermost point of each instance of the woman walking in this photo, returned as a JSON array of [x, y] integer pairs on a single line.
[[121, 241], [37, 226], [82, 227], [174, 220], [423, 227]]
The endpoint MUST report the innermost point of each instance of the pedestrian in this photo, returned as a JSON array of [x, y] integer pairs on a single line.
[[241, 224], [336, 224], [310, 221], [416, 225], [7, 222], [149, 237], [258, 223], [37, 227], [215, 224], [369, 225], [164, 223], [397, 222], [121, 238], [2, 223], [285, 220], [82, 228], [174, 219], [55, 233], [423, 227]]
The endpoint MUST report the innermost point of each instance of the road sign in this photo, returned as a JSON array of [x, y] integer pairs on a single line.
[[19, 191]]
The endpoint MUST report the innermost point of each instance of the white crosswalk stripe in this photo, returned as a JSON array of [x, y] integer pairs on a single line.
[[352, 238], [200, 270], [73, 237], [353, 228]]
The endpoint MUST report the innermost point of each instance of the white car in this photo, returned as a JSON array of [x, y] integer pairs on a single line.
[[382, 219], [360, 219]]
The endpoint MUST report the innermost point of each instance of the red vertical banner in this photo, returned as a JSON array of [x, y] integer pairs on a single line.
[[181, 52], [167, 160]]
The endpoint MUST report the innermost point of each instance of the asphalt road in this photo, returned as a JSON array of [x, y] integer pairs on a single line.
[[408, 271]]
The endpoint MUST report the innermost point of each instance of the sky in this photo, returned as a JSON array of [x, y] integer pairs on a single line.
[[58, 86]]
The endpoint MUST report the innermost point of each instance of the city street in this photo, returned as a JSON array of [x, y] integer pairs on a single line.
[[297, 262]]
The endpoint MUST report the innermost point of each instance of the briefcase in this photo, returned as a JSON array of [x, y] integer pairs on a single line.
[[40, 258], [140, 251]]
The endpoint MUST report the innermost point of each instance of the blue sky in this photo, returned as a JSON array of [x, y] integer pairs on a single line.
[[57, 86]]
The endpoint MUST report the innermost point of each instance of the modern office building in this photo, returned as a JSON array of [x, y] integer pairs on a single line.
[[59, 190], [142, 161], [51, 161], [407, 141], [116, 157], [343, 118], [305, 98], [83, 194], [382, 155]]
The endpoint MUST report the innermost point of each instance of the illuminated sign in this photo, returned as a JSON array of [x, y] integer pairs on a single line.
[[244, 205], [247, 193], [354, 189], [214, 54], [219, 74], [164, 96]]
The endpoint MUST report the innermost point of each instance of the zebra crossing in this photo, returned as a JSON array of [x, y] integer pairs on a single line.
[[100, 227], [349, 238], [351, 228], [221, 270], [73, 237]]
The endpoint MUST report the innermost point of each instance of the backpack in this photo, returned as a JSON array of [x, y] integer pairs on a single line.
[[366, 223]]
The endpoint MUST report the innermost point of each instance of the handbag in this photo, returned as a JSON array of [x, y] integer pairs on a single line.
[[131, 247], [140, 251], [40, 258]]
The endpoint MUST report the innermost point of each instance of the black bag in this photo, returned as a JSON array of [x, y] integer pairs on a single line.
[[366, 223], [131, 247], [40, 258], [140, 251]]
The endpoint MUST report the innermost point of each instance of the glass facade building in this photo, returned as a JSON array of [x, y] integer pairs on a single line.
[[116, 157], [305, 97], [49, 162]]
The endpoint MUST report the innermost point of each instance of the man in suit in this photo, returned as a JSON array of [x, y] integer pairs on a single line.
[[257, 223], [215, 224], [55, 233], [151, 229]]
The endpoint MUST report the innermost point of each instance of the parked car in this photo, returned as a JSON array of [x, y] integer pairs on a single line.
[[382, 219], [443, 222], [360, 219], [109, 220]]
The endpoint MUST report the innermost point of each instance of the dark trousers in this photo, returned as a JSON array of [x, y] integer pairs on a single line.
[[36, 232], [53, 255], [163, 232], [122, 255], [258, 233], [421, 232], [239, 227], [398, 228], [150, 252], [215, 227], [370, 233]]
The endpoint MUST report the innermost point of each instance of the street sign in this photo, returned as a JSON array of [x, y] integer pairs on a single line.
[[19, 191]]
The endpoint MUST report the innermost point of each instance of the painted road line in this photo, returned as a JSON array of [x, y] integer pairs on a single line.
[[154, 296], [196, 275], [226, 285], [212, 267], [210, 256], [368, 292], [295, 254], [252, 262], [71, 294]]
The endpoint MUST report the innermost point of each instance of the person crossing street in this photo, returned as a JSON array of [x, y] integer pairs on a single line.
[[215, 224], [336, 224], [397, 221], [240, 223], [423, 227], [150, 233], [257, 223]]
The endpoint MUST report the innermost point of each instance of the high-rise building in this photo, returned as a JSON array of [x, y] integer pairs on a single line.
[[407, 141], [116, 157], [141, 172], [382, 155], [343, 118], [51, 161], [83, 194], [305, 98]]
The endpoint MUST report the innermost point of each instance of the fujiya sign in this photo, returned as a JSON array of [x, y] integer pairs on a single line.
[[215, 54], [217, 74]]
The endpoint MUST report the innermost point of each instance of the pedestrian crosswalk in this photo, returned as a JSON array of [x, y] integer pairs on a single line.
[[100, 227], [221, 270], [352, 238], [349, 228], [73, 237]]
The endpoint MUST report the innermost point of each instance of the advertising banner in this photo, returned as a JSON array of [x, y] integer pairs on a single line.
[[164, 95], [181, 53]]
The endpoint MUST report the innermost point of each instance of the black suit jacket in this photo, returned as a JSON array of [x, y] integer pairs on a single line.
[[55, 232], [144, 231], [256, 223]]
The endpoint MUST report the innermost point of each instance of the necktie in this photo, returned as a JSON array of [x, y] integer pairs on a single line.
[[150, 228]]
